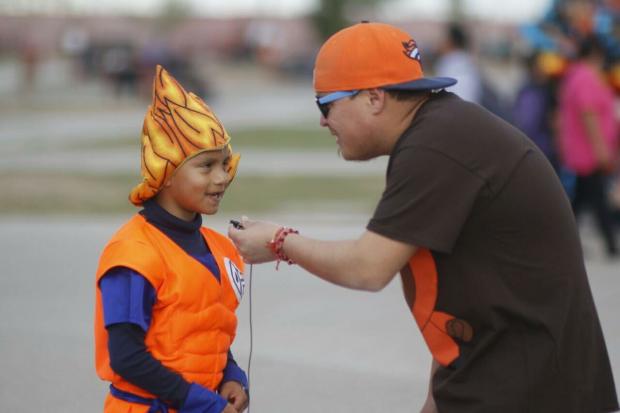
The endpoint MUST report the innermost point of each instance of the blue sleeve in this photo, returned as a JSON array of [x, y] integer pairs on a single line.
[[232, 372], [130, 359], [202, 400], [127, 298]]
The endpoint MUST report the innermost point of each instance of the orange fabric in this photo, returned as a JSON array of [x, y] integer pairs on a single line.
[[364, 56], [552, 64], [432, 323], [178, 125], [193, 322], [614, 77]]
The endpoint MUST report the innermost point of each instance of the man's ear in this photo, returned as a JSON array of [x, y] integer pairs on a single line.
[[377, 99]]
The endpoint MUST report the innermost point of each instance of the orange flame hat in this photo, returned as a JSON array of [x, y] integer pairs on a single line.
[[178, 125]]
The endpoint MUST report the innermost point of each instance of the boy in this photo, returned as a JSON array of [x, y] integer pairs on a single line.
[[167, 288]]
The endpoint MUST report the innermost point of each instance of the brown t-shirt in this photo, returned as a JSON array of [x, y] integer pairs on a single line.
[[512, 316]]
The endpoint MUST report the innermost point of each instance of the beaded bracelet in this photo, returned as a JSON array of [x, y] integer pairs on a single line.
[[277, 243]]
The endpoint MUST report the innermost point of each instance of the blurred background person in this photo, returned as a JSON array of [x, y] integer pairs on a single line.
[[120, 67], [589, 135], [535, 104], [29, 56], [456, 61], [607, 26]]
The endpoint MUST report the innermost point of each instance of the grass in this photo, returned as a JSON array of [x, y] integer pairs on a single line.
[[288, 138], [71, 193], [66, 193]]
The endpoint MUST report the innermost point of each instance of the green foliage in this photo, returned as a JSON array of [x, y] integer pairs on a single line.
[[267, 138], [332, 15], [66, 193]]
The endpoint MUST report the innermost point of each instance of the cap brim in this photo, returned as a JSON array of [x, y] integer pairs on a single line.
[[426, 83]]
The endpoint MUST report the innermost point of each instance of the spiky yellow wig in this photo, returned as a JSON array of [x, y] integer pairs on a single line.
[[178, 125]]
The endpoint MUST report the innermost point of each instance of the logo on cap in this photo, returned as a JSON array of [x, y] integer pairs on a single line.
[[411, 50]]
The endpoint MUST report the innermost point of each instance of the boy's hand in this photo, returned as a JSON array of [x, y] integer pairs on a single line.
[[236, 396], [229, 409]]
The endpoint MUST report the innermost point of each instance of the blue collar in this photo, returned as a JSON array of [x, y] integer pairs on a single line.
[[164, 220]]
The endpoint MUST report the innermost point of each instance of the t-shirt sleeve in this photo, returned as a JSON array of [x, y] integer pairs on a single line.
[[127, 297], [427, 199], [232, 372]]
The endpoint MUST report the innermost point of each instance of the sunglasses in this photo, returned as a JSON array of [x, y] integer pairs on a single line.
[[324, 102]]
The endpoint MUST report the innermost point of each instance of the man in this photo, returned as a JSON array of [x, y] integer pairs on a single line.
[[476, 222]]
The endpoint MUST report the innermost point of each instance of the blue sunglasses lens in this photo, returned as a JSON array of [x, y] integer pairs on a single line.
[[324, 102]]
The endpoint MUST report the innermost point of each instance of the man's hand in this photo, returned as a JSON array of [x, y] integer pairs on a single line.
[[252, 241], [236, 396]]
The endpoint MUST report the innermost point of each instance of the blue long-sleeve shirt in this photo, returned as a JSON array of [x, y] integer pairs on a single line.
[[128, 299]]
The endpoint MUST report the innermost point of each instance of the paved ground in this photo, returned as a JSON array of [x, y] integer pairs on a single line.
[[254, 162], [316, 347]]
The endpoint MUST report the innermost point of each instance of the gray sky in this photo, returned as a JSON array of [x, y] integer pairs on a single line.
[[509, 10]]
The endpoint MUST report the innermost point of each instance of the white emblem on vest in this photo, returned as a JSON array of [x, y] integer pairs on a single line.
[[235, 277]]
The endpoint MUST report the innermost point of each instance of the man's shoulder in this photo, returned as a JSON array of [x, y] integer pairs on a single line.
[[444, 124], [453, 130], [441, 114]]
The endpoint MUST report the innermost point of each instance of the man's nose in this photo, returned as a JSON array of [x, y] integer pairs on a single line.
[[323, 121]]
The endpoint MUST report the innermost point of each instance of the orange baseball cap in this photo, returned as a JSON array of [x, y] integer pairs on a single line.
[[369, 55]]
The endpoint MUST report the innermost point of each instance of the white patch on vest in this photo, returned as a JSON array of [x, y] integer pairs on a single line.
[[235, 277]]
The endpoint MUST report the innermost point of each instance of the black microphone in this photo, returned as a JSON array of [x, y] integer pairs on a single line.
[[236, 224]]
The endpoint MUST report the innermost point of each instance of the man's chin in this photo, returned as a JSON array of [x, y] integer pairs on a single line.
[[354, 157], [345, 155]]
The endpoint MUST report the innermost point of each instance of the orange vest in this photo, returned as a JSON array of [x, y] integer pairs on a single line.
[[193, 322]]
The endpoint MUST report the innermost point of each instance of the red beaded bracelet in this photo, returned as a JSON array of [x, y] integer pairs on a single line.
[[277, 243]]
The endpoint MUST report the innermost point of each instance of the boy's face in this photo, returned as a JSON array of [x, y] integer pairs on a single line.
[[197, 186]]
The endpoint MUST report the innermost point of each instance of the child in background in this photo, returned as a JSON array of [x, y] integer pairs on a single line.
[[167, 287]]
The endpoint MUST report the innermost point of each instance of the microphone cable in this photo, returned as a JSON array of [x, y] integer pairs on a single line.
[[238, 225], [251, 333]]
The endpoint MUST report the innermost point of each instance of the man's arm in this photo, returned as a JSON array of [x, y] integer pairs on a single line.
[[368, 263]]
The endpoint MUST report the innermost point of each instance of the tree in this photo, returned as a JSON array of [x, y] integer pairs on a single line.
[[332, 14]]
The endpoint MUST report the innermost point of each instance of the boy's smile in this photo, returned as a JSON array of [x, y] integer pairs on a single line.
[[197, 186]]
